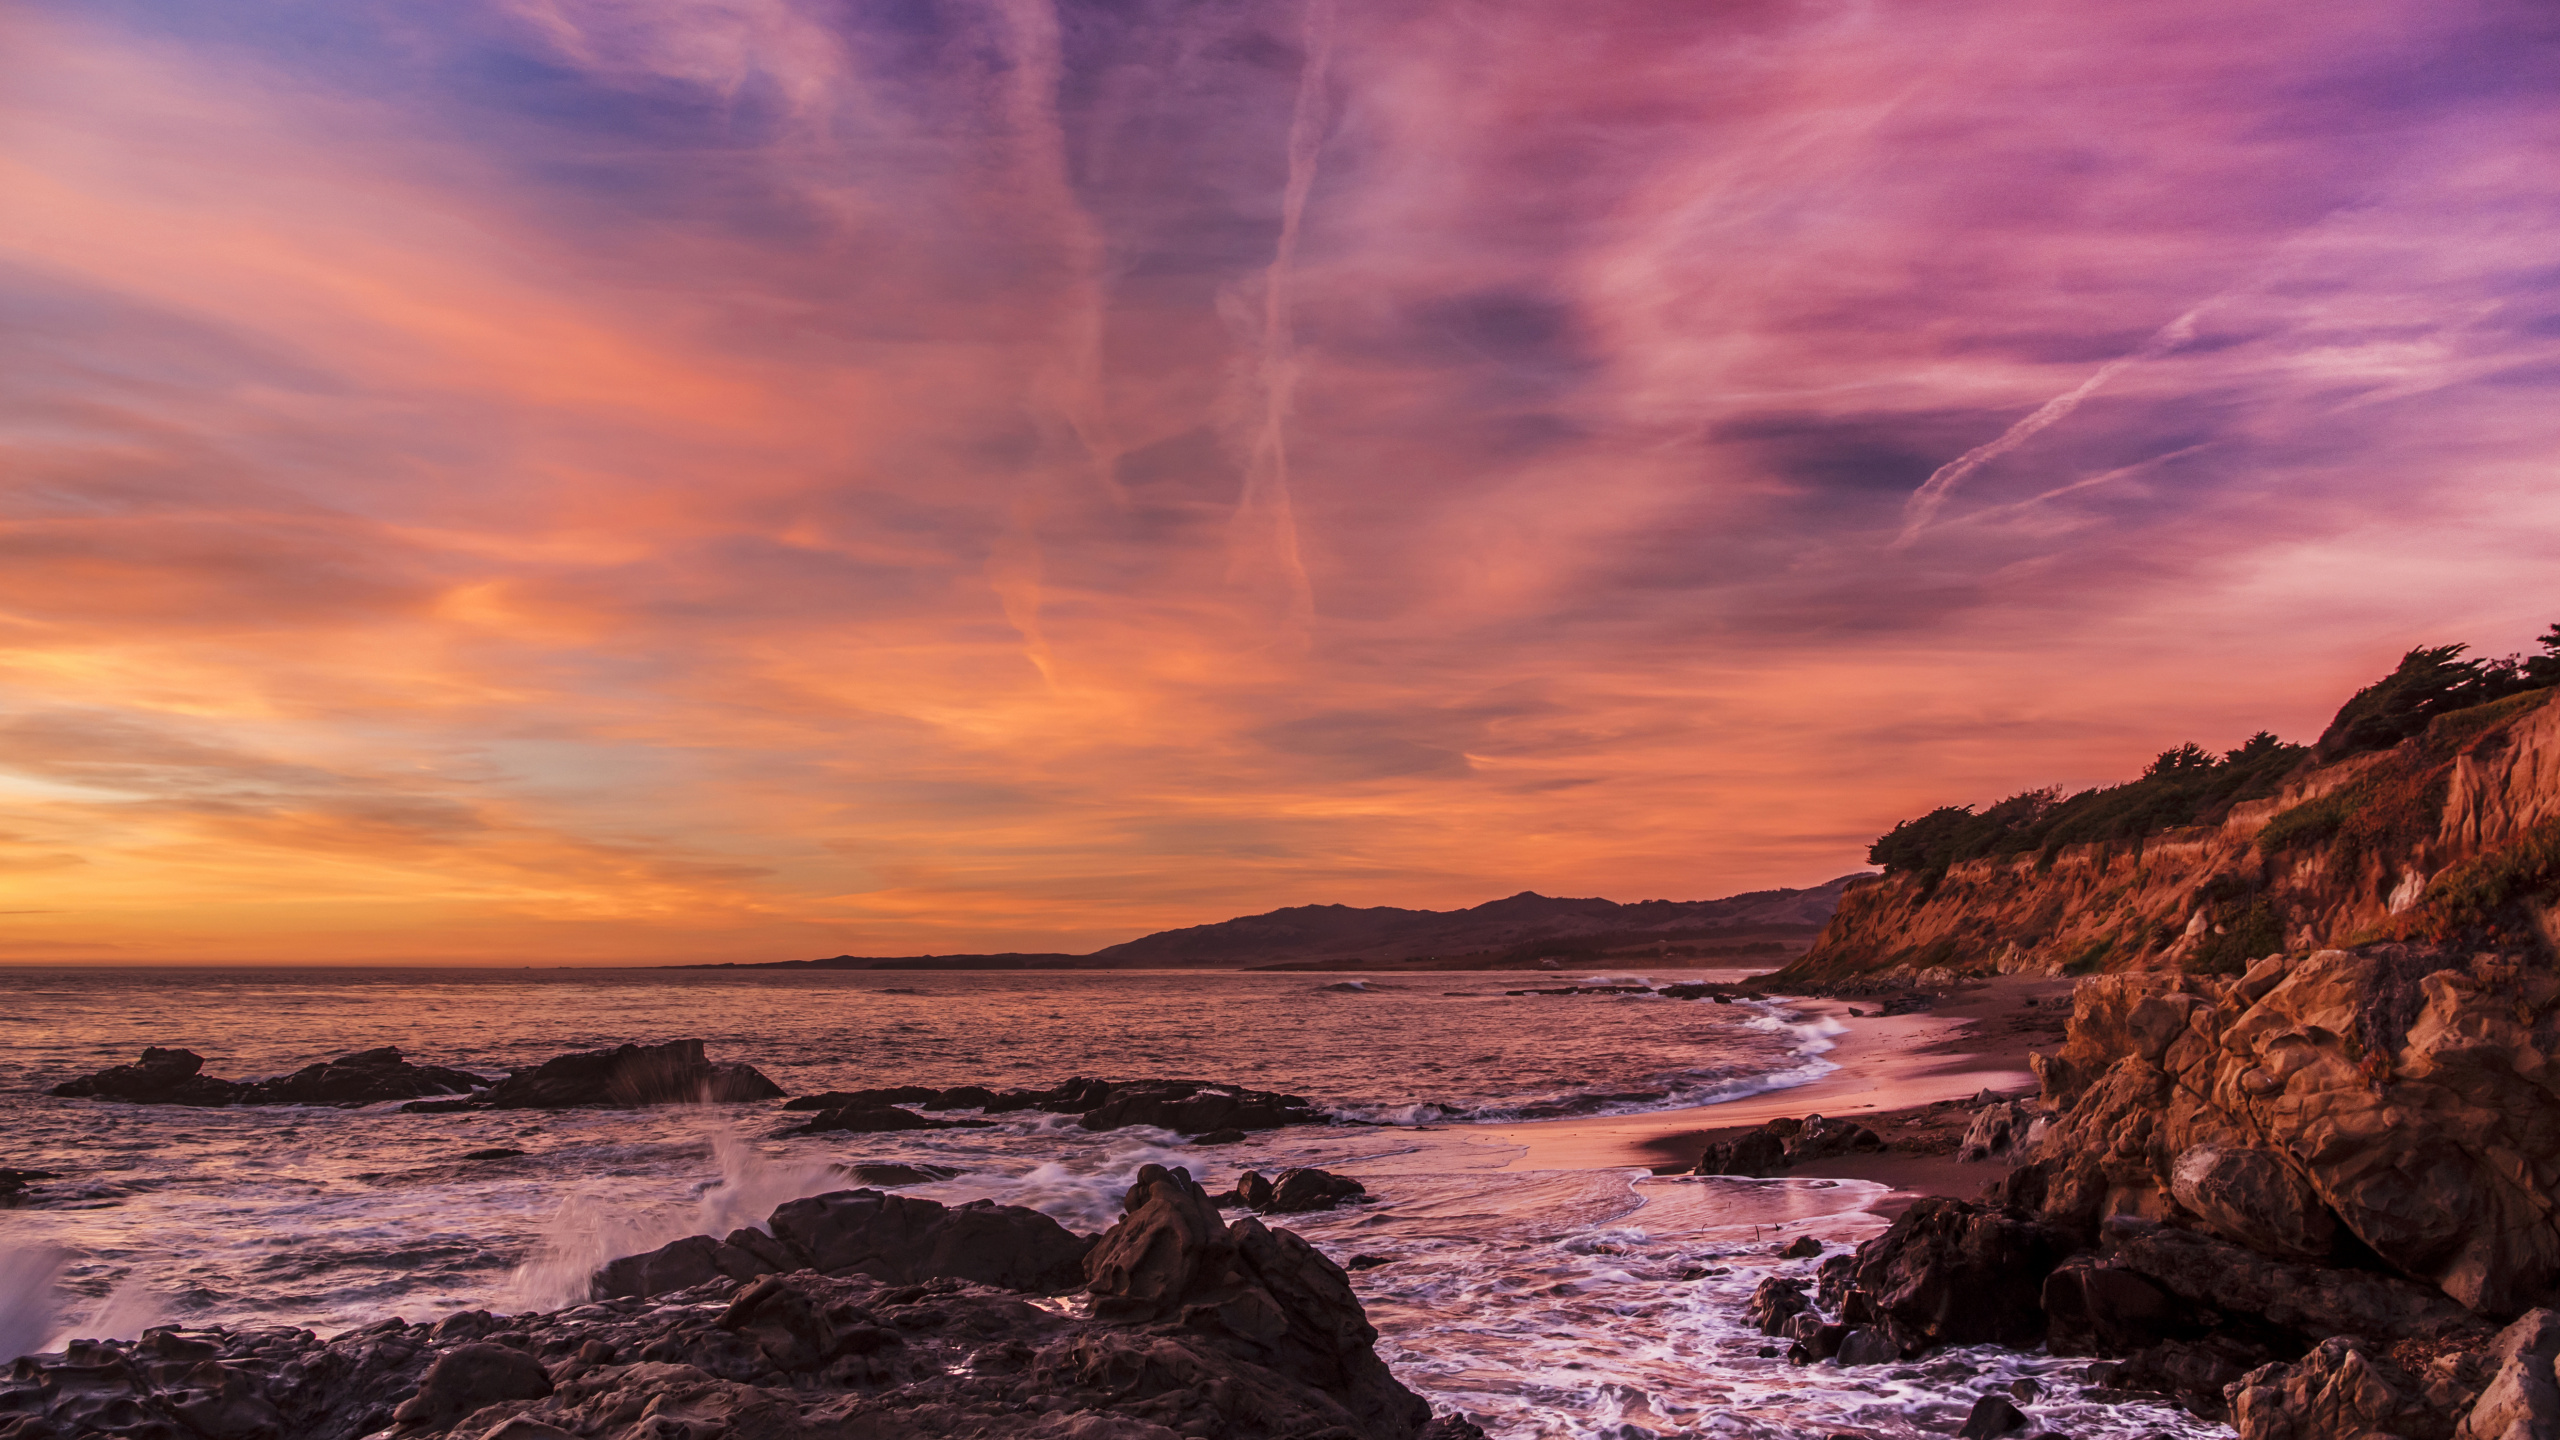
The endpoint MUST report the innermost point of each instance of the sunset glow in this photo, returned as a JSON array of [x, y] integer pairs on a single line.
[[572, 481]]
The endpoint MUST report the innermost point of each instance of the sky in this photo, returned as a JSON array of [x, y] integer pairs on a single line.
[[578, 481]]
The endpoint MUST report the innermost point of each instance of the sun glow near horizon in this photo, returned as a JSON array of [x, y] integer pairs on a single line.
[[557, 481]]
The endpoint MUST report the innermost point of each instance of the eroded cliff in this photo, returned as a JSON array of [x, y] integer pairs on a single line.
[[2451, 835]]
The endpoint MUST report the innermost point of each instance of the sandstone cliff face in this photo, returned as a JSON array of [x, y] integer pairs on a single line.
[[2455, 832], [2399, 1103]]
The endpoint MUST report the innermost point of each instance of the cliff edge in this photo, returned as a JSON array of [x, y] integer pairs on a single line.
[[2451, 834]]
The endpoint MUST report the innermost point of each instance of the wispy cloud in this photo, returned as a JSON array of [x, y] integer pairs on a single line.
[[742, 478]]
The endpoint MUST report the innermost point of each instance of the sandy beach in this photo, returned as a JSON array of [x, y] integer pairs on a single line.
[[1906, 1076]]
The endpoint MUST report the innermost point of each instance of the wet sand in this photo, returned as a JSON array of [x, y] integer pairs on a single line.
[[1908, 1076]]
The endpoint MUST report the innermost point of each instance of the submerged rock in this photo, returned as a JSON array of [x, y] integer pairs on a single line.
[[175, 1077], [1186, 1107], [674, 1073]]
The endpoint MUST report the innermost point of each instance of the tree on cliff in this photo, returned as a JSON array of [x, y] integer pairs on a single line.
[[2432, 680]]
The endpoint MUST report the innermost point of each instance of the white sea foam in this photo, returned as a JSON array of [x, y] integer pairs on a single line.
[[29, 1301]]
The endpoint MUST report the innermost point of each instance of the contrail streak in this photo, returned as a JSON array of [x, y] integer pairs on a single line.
[[1265, 507], [1933, 492]]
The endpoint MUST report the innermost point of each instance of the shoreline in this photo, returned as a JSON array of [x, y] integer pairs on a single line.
[[1907, 1076]]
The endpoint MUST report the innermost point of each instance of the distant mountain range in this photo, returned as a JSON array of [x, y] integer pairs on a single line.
[[1517, 932]]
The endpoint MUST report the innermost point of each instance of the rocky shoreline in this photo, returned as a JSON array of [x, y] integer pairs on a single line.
[[872, 1315], [2316, 1201]]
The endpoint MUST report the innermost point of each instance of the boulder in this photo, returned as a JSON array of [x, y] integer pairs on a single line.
[[2252, 1196], [160, 1077], [903, 1239], [1775, 1303], [1194, 1107], [2522, 1398], [675, 1073], [1819, 1138], [366, 1077], [175, 1077], [1997, 1129], [1952, 1273], [467, 1377], [1757, 1153], [1992, 1416], [878, 1119], [1277, 1351], [2396, 1100], [2310, 1301], [2342, 1390], [1307, 1188], [1265, 1295], [779, 1317]]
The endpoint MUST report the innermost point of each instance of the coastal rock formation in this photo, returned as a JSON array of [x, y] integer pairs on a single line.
[[2453, 832], [897, 1238], [1293, 1192], [2399, 1099], [1783, 1144], [14, 1183], [877, 1119], [1235, 1332], [674, 1073], [1186, 1107], [175, 1077]]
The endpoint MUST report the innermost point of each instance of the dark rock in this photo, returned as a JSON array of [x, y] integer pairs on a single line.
[[1251, 1190], [865, 1099], [1864, 1345], [1818, 1138], [961, 1097], [1228, 1136], [175, 1077], [1997, 1130], [1451, 1427], [1992, 1416], [1816, 1340], [2309, 1300], [878, 1119], [1193, 1107], [1263, 1294], [1757, 1153], [14, 1183], [1952, 1273], [893, 1174], [1833, 1277], [1367, 1262], [674, 1073], [2343, 1390], [1275, 1352], [500, 1152], [468, 1377], [1805, 1247], [792, 1332], [903, 1239], [160, 1077], [366, 1077], [1300, 1190], [1774, 1302]]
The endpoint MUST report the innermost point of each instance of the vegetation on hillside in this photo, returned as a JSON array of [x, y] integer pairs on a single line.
[[2192, 786]]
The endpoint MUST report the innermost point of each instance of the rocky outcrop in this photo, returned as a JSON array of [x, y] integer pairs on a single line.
[[1782, 1144], [1214, 1330], [1186, 1107], [2397, 1101], [675, 1073], [1264, 1295], [175, 1077], [14, 1184], [1294, 1192], [2452, 835], [897, 1238]]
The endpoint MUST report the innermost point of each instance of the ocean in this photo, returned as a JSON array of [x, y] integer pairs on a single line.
[[1599, 1303]]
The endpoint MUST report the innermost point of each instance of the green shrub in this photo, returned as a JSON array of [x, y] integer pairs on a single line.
[[2310, 823], [2475, 894]]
